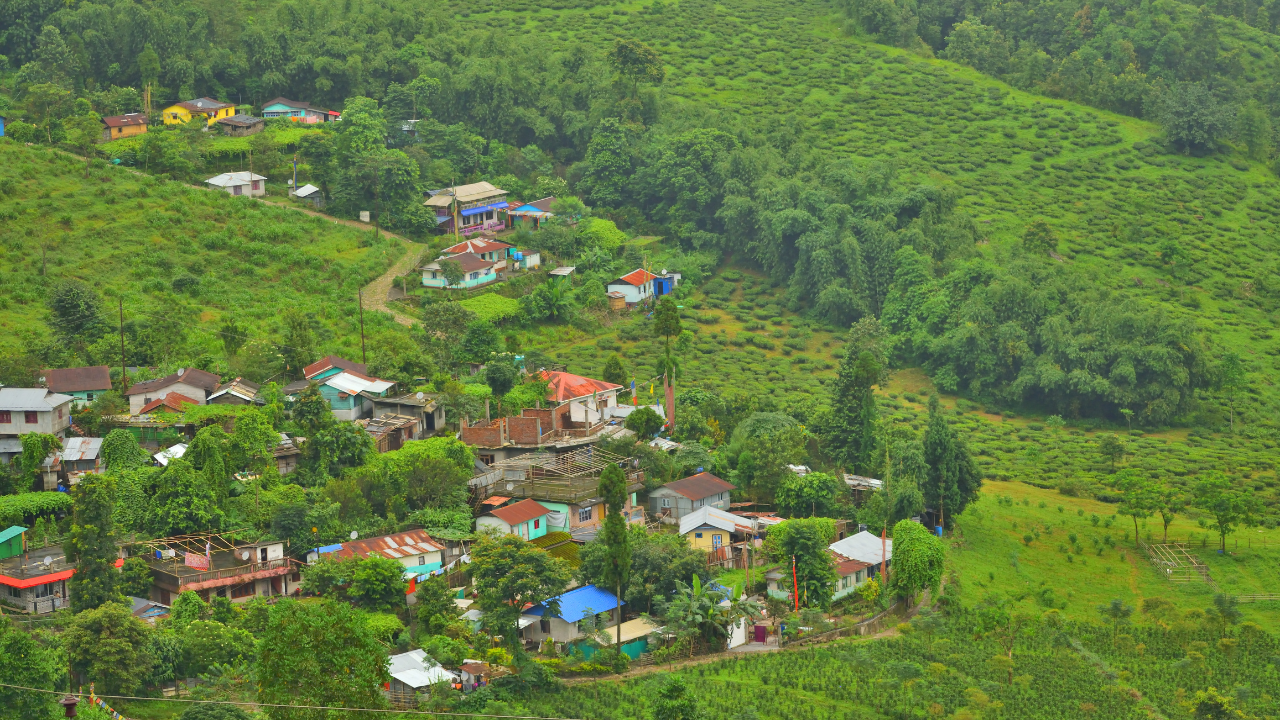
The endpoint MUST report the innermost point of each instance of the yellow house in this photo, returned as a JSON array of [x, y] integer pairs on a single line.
[[208, 108], [710, 528]]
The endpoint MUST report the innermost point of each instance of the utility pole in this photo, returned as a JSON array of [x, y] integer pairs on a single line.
[[360, 295], [124, 374], [454, 191]]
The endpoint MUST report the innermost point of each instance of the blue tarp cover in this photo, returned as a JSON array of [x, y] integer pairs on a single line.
[[483, 208], [575, 603]]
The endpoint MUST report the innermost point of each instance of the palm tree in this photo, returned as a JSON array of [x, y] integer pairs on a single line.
[[699, 611]]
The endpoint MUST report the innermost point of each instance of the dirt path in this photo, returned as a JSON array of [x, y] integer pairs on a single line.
[[377, 292]]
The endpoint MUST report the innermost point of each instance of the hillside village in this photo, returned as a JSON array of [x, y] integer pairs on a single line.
[[679, 361]]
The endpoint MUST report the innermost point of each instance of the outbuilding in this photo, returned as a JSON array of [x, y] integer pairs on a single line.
[[123, 126], [241, 125], [676, 499], [241, 182], [636, 286]]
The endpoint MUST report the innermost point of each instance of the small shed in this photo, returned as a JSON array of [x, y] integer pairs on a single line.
[[617, 301], [241, 125], [635, 636], [563, 272], [240, 183], [311, 194], [11, 542], [170, 453], [80, 455]]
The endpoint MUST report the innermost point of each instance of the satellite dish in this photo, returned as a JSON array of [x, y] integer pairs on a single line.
[[244, 554], [48, 561], [354, 535]]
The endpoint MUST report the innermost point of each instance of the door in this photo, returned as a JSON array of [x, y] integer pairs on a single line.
[[760, 633], [715, 541]]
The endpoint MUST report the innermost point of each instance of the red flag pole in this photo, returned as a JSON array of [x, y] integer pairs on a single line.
[[795, 583]]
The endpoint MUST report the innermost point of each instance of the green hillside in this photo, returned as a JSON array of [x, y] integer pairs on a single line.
[[184, 260]]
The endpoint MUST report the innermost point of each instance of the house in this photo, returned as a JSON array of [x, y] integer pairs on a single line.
[[81, 383], [576, 412], [531, 215], [332, 365], [208, 108], [123, 126], [286, 453], [710, 528], [241, 125], [311, 194], [172, 402], [415, 672], [425, 408], [33, 410], [858, 558], [681, 497], [241, 182], [32, 579], [296, 111], [567, 484], [575, 605], [473, 675], [862, 487], [189, 382], [483, 248], [390, 431], [414, 549], [665, 283], [236, 392], [214, 565], [172, 452], [478, 206], [636, 286], [527, 518], [573, 517], [351, 395], [80, 455], [476, 271], [578, 399]]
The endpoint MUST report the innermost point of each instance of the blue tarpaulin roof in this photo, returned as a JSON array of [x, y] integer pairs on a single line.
[[328, 549], [482, 208], [575, 603], [418, 570]]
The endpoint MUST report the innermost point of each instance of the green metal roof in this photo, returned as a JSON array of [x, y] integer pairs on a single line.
[[10, 533]]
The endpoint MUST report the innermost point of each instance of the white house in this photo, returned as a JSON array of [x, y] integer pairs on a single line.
[[579, 399], [240, 183], [415, 672], [33, 410], [575, 605], [527, 518], [859, 558], [681, 497], [635, 287]]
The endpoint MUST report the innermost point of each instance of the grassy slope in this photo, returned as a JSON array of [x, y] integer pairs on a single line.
[[252, 260]]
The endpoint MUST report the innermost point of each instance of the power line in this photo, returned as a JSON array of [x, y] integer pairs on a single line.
[[295, 707]]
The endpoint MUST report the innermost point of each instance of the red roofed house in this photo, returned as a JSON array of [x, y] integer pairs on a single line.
[[476, 271], [574, 414], [412, 548], [527, 518], [122, 126], [486, 249], [189, 382], [332, 365], [677, 499], [173, 402], [636, 286], [26, 580]]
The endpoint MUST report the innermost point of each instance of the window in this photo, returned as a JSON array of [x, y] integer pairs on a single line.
[[475, 276], [544, 626], [6, 417], [44, 591], [15, 592], [262, 554], [666, 502], [255, 184], [240, 591], [59, 413], [237, 190], [698, 535], [584, 514], [537, 524], [89, 397], [30, 417]]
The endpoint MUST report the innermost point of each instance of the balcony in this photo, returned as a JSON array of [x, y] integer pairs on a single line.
[[572, 478]]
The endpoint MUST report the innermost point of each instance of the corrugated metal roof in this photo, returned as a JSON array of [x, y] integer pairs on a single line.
[[38, 399], [78, 379], [127, 120], [465, 193], [702, 485], [194, 377], [523, 511], [333, 361], [715, 517], [636, 277], [8, 533], [577, 604], [477, 245], [171, 453], [563, 386], [399, 545], [242, 177], [174, 401], [864, 546], [81, 448], [354, 384]]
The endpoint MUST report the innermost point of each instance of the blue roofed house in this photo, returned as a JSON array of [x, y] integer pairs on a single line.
[[478, 206], [564, 626]]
